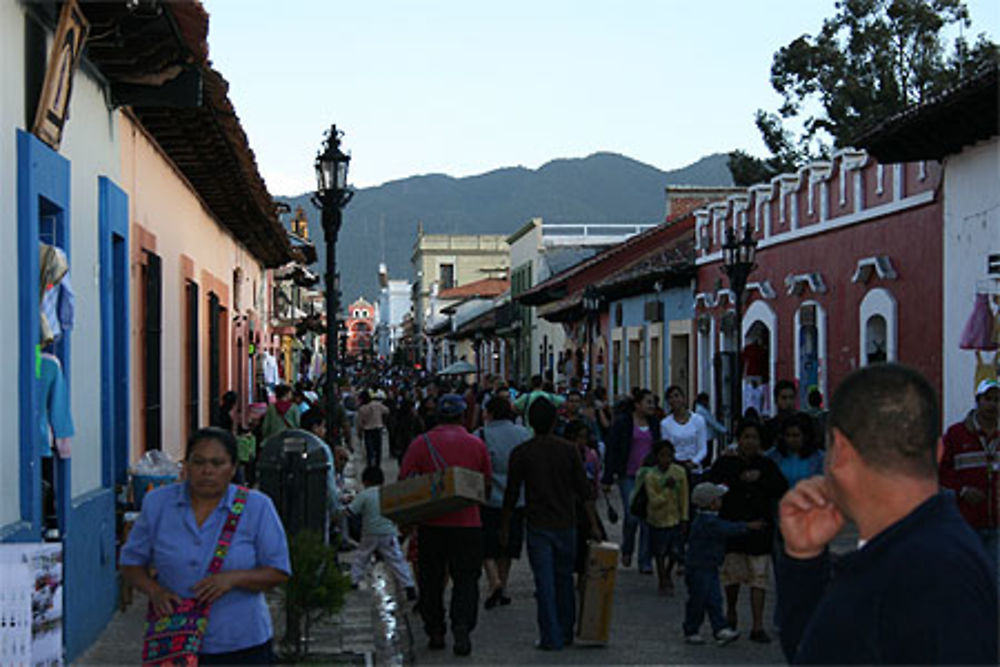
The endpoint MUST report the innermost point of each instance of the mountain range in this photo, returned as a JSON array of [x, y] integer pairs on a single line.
[[380, 223]]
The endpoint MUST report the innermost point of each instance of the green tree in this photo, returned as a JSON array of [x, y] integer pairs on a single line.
[[870, 60]]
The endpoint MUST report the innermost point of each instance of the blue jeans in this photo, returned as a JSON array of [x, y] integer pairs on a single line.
[[625, 486], [704, 595], [551, 554]]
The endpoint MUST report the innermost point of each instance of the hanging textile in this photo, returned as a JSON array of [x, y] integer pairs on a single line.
[[57, 304], [55, 421], [978, 331]]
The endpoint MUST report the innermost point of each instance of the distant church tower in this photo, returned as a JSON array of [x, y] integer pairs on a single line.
[[300, 224]]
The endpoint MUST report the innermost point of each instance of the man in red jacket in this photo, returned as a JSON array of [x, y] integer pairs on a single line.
[[970, 465]]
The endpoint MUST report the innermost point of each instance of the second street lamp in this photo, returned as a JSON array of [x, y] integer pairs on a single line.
[[332, 195], [739, 260]]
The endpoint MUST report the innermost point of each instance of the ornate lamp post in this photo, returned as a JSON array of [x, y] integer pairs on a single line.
[[332, 195], [738, 255], [591, 306]]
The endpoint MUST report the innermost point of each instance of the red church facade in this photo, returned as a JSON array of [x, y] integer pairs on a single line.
[[360, 325], [850, 268]]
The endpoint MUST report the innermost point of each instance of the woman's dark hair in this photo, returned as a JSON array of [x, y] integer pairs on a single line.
[[637, 397], [222, 436], [745, 424], [751, 414], [282, 392], [805, 424], [364, 397], [499, 408]]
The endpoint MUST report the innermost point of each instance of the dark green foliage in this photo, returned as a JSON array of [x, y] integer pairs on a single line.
[[317, 587], [870, 60]]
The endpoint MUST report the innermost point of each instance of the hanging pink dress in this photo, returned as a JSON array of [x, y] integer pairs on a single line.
[[978, 331]]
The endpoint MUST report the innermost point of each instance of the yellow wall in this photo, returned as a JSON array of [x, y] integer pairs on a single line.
[[168, 218]]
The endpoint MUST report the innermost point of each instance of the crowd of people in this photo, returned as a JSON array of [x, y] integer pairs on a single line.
[[718, 507]]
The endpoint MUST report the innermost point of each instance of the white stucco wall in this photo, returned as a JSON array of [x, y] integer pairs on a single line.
[[971, 233], [11, 119], [90, 143]]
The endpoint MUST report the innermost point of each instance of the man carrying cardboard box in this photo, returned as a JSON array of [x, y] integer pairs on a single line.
[[552, 473], [451, 543]]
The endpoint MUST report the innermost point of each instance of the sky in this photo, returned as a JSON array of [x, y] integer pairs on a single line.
[[462, 87]]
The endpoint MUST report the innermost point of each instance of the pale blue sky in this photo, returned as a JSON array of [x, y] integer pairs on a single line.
[[463, 87]]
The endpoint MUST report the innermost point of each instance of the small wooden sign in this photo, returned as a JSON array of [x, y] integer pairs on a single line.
[[53, 103]]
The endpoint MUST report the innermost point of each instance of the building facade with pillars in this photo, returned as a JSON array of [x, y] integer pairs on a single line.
[[540, 251], [446, 261], [849, 264]]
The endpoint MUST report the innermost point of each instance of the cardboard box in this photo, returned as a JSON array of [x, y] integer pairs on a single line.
[[597, 600], [427, 496]]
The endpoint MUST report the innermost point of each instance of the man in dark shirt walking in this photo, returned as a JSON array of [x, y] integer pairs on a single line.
[[919, 589], [552, 474]]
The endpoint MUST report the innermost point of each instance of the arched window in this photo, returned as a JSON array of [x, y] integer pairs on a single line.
[[878, 326]]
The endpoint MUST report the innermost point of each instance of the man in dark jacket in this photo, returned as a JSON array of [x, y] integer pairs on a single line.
[[919, 589], [551, 472]]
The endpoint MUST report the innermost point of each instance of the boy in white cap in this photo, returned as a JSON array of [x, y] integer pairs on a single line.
[[706, 550]]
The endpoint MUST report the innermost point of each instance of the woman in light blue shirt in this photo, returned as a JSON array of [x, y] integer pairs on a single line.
[[795, 451], [176, 534]]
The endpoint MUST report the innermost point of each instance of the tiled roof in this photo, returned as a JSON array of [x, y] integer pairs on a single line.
[[960, 116], [485, 288]]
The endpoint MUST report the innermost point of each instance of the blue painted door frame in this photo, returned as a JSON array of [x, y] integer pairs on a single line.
[[43, 193], [114, 280], [87, 523]]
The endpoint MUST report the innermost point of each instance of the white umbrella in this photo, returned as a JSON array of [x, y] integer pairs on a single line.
[[458, 368]]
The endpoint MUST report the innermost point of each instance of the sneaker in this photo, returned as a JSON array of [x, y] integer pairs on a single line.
[[697, 640], [726, 636]]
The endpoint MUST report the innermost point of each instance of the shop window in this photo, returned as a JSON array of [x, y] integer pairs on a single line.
[[446, 276], [878, 327], [876, 340]]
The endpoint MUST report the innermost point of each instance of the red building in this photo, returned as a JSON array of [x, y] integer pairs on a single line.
[[360, 328], [849, 273]]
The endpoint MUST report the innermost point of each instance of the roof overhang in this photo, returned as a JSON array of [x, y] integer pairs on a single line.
[[960, 116]]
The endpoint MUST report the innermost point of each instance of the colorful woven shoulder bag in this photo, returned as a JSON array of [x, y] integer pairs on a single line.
[[175, 638]]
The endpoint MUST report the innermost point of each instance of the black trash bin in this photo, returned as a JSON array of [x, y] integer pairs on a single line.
[[292, 470]]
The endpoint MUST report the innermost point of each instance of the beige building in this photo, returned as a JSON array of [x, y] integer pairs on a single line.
[[446, 261]]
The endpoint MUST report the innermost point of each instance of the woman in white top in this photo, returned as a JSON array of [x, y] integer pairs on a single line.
[[687, 430]]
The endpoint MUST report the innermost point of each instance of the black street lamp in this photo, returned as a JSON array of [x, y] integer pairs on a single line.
[[332, 195], [478, 341], [591, 306], [738, 257]]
